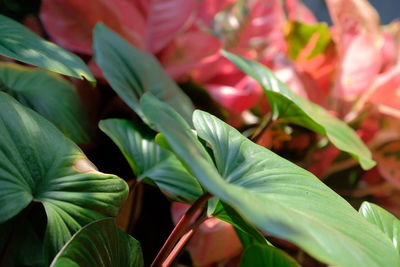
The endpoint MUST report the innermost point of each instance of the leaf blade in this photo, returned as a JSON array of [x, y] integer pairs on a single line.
[[100, 243], [322, 223], [17, 42], [38, 163], [289, 106], [385, 221], [131, 73], [42, 91], [148, 160]]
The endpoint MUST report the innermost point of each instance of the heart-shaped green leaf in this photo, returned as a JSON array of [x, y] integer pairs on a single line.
[[385, 221], [17, 42], [131, 73], [38, 163], [100, 244], [265, 255], [48, 94], [271, 192], [292, 108], [149, 160]]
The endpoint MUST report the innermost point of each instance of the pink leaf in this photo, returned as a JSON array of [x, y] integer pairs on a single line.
[[207, 9], [238, 98], [263, 27], [352, 17], [165, 18], [386, 89], [322, 160], [189, 51], [361, 62], [213, 241], [70, 22]]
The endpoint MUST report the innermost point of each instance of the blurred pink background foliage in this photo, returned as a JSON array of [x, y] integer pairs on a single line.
[[355, 73]]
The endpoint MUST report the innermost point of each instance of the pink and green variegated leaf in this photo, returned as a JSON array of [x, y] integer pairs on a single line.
[[207, 9], [386, 89], [351, 17], [165, 18], [188, 52], [239, 97], [360, 64], [70, 22], [266, 19], [359, 40]]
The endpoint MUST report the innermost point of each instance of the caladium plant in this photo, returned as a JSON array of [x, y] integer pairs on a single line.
[[296, 109]]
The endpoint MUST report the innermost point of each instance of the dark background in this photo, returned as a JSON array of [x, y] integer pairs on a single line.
[[387, 9]]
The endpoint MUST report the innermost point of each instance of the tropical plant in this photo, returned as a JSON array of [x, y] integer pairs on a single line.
[[244, 114]]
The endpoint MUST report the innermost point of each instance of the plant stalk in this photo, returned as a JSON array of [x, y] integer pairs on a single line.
[[180, 229], [183, 241], [136, 206]]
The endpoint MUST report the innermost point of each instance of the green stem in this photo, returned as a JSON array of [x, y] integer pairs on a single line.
[[180, 229]]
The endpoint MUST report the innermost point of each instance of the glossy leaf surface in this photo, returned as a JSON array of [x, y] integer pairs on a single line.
[[17, 42], [100, 244], [131, 73], [292, 108], [258, 255], [149, 160], [48, 94], [38, 163], [272, 193], [385, 221]]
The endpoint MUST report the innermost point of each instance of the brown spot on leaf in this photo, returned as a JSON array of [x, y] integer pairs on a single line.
[[84, 165]]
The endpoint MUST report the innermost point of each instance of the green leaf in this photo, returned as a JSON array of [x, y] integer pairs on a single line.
[[247, 233], [131, 73], [272, 193], [48, 94], [149, 160], [292, 108], [17, 42], [385, 221], [264, 255], [38, 163], [299, 36], [100, 244]]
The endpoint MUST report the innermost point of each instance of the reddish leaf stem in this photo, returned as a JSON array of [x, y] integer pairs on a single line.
[[177, 249], [182, 242], [180, 229], [136, 207]]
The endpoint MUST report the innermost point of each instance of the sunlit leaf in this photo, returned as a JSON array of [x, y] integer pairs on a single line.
[[131, 73], [149, 160], [292, 108], [272, 193], [265, 255], [48, 94], [100, 244], [17, 42], [38, 163], [385, 221]]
